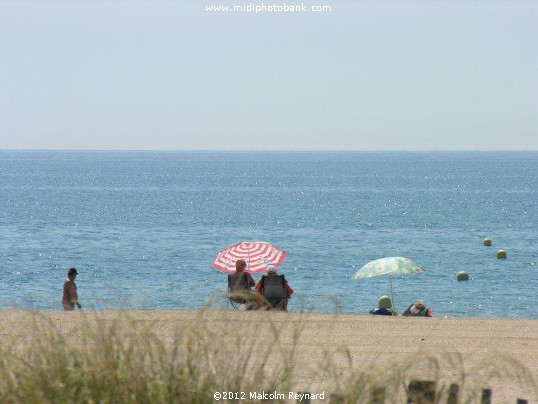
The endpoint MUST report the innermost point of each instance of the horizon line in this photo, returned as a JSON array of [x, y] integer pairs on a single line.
[[275, 150]]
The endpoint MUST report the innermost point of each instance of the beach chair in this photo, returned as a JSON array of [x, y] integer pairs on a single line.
[[238, 292], [274, 292]]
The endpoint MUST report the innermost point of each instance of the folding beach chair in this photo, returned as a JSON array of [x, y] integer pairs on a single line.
[[274, 292], [238, 292]]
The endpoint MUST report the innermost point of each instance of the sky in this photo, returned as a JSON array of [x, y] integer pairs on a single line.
[[364, 75]]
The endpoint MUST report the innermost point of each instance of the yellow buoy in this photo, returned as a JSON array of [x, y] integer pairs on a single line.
[[462, 276], [487, 242], [501, 254]]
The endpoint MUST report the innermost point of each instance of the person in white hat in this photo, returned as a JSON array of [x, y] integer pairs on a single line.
[[271, 273]]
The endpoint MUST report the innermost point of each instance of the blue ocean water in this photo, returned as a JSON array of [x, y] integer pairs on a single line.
[[143, 227]]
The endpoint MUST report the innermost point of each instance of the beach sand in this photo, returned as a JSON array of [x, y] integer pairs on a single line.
[[461, 346]]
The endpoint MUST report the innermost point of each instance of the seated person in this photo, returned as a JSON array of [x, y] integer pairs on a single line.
[[418, 309], [282, 290], [384, 307], [240, 266], [240, 286]]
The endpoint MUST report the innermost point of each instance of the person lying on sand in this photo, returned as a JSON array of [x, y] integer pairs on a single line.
[[417, 309]]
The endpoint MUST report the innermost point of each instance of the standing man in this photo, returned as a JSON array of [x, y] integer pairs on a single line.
[[70, 297]]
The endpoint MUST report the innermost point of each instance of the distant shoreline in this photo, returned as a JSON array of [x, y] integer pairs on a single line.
[[291, 313]]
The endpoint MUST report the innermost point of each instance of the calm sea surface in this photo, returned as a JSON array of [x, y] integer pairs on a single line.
[[143, 227]]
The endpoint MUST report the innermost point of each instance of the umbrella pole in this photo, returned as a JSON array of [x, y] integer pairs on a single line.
[[392, 293]]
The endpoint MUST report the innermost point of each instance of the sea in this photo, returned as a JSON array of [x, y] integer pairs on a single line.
[[143, 227]]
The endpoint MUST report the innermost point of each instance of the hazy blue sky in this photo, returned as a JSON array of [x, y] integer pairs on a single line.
[[369, 75]]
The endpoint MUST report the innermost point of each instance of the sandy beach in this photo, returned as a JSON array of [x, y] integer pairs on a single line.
[[468, 347]]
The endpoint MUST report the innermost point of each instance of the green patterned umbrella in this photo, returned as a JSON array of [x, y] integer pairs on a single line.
[[388, 266]]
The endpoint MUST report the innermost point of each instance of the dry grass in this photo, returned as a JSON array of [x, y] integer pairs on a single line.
[[119, 358]]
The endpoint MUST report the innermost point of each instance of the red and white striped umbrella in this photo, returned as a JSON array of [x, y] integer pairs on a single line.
[[257, 254]]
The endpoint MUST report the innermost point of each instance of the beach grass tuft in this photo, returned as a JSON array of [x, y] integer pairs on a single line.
[[123, 360]]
